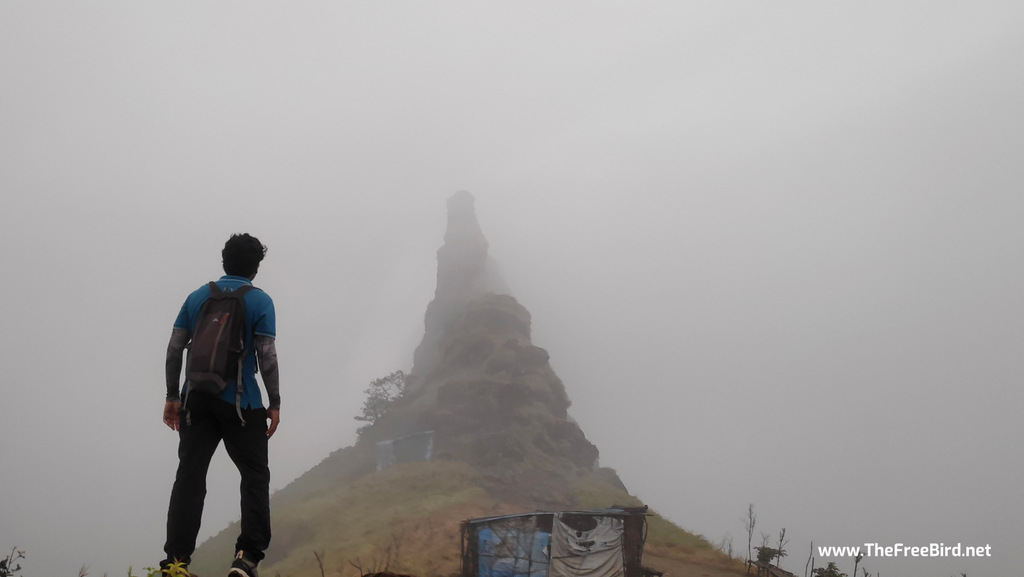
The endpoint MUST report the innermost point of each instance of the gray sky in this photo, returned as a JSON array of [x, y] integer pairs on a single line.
[[772, 248]]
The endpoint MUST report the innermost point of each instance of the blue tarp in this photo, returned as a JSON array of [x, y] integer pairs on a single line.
[[513, 548]]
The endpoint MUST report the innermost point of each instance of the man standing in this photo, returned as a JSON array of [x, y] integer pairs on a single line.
[[236, 415]]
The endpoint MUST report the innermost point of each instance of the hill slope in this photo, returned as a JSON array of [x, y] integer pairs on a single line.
[[489, 426], [408, 517]]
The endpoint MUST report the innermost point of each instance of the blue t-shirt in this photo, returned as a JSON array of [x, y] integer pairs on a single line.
[[259, 320]]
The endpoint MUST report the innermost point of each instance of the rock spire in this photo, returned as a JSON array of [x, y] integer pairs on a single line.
[[465, 272], [478, 382]]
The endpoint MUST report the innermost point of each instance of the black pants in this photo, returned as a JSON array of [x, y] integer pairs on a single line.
[[204, 423]]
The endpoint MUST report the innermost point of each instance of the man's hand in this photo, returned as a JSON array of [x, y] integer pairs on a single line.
[[171, 418], [275, 417]]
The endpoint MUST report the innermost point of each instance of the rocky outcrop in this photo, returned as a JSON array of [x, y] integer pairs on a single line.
[[478, 381], [464, 272]]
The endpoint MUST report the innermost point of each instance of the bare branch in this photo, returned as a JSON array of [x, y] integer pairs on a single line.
[[320, 560]]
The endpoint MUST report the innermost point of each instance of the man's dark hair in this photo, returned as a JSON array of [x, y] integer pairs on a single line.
[[242, 255]]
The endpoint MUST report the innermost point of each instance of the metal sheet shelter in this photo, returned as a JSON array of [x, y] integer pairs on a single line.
[[597, 542]]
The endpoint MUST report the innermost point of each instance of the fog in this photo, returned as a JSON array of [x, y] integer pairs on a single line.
[[773, 249]]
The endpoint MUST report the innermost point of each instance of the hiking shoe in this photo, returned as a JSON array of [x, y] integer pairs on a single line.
[[243, 566]]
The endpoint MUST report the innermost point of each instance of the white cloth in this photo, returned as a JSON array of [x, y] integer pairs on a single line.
[[593, 553]]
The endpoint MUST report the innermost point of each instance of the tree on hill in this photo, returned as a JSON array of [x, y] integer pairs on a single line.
[[767, 554], [780, 551], [828, 571], [380, 396], [751, 523], [9, 565]]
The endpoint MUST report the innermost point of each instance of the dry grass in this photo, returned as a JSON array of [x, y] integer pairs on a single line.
[[406, 519]]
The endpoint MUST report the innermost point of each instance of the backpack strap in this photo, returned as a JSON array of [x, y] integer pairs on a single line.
[[238, 394], [215, 291], [239, 293]]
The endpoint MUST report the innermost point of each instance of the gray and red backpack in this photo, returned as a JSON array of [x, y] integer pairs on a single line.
[[217, 350]]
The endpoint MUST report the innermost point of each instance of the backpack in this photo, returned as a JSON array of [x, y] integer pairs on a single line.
[[217, 350]]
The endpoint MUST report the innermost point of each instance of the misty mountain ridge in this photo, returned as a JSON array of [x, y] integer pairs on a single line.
[[482, 429]]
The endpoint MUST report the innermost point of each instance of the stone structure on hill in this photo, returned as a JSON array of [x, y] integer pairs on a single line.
[[478, 382]]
